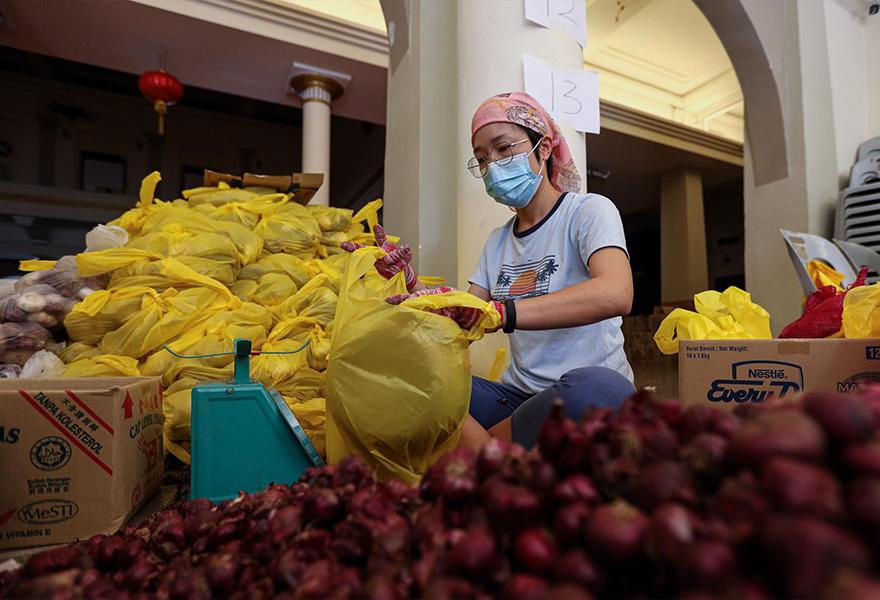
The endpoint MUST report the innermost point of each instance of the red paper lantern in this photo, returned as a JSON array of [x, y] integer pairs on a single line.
[[163, 90]]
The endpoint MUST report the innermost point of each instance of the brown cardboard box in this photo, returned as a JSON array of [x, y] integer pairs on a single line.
[[77, 456], [303, 186], [729, 372]]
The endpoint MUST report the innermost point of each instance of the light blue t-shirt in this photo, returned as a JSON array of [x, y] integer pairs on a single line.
[[546, 258]]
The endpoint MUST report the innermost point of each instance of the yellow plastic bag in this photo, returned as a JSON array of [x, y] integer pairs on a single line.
[[730, 315], [291, 229], [314, 300], [861, 317], [311, 415], [306, 329], [292, 266], [132, 220], [823, 275], [104, 311], [77, 351], [184, 219], [248, 213], [214, 336], [330, 218], [399, 378], [273, 289], [177, 408], [29, 266], [103, 365]]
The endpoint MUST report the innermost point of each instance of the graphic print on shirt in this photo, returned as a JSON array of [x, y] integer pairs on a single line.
[[527, 280]]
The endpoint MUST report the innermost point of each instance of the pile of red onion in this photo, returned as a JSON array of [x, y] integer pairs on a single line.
[[778, 500]]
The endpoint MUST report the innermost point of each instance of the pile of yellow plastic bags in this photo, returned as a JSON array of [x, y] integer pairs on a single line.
[[201, 271]]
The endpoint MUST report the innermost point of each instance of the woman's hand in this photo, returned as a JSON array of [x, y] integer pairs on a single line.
[[397, 259], [464, 316]]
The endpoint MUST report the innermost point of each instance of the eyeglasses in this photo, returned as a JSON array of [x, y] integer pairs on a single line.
[[501, 154]]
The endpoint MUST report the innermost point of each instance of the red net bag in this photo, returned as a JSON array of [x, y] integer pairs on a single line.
[[823, 312]]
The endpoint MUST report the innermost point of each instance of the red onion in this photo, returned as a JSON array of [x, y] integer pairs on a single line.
[[707, 419], [616, 476], [321, 505], [382, 587], [847, 585], [664, 481], [595, 421], [513, 508], [615, 531], [741, 503], [139, 575], [806, 552], [846, 419], [100, 590], [567, 591], [88, 577], [451, 587], [569, 523], [574, 456], [776, 433], [536, 551], [108, 552], [197, 506], [475, 555], [554, 432], [672, 527], [453, 478], [521, 586], [492, 457], [651, 441], [801, 487], [862, 458], [56, 559], [222, 534], [576, 566], [669, 410], [542, 476], [706, 563], [222, 573], [285, 524], [351, 470], [704, 454], [863, 502], [576, 488]]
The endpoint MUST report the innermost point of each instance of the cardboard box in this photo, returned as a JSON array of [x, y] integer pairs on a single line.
[[729, 372], [77, 456], [303, 186]]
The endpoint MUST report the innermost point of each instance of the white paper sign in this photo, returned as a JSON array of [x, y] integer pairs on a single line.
[[570, 14], [567, 96]]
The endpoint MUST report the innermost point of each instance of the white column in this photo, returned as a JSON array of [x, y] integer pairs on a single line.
[[318, 92]]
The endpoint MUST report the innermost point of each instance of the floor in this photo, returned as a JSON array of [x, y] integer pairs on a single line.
[[660, 377]]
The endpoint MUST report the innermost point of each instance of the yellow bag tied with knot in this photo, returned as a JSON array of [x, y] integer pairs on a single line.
[[291, 229], [103, 365], [730, 315], [311, 416], [399, 378]]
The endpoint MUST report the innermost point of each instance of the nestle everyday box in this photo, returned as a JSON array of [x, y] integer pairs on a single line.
[[77, 456], [730, 372]]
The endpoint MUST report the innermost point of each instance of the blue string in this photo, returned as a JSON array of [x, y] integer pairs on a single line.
[[254, 353]]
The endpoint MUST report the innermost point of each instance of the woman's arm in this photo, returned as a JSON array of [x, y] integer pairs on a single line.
[[608, 293]]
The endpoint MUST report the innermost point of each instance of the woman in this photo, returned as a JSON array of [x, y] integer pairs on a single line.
[[558, 272]]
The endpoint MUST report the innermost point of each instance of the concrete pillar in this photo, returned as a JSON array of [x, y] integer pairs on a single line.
[[683, 265], [317, 91], [432, 201]]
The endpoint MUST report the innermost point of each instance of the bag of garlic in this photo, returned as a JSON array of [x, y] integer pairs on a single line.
[[40, 304]]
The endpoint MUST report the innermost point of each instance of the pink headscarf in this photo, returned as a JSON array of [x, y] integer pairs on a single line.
[[520, 108]]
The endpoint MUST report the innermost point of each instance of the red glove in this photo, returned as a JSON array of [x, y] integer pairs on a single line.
[[465, 317], [395, 260]]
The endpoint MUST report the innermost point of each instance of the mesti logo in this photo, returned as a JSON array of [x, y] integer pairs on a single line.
[[757, 380]]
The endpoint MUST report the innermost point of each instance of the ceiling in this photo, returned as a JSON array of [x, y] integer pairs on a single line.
[[661, 57]]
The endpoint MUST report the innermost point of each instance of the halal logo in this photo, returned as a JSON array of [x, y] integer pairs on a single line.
[[50, 453]]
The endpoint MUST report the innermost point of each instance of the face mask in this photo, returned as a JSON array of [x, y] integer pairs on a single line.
[[513, 184]]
